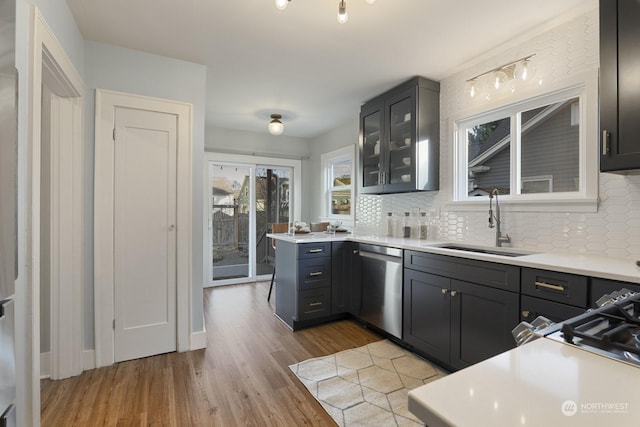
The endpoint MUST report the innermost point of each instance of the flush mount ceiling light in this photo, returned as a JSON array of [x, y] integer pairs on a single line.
[[343, 16], [276, 127], [522, 69]]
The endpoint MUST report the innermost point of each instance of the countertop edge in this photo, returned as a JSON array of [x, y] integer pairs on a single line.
[[621, 269]]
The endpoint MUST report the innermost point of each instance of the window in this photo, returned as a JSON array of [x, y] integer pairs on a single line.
[[338, 183], [532, 151]]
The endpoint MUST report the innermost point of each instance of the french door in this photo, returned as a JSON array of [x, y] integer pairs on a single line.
[[244, 196]]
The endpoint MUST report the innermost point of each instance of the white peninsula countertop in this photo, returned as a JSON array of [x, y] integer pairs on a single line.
[[543, 383], [622, 269]]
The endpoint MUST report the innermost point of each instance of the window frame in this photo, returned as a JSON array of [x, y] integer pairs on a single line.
[[583, 86], [328, 160]]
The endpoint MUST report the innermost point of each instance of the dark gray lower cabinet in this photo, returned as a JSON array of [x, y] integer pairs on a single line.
[[481, 322], [456, 322], [303, 282], [427, 313], [345, 277]]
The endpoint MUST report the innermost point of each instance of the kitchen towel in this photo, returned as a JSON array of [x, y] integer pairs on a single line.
[[367, 386]]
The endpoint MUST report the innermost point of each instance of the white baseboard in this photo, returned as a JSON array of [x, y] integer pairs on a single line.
[[198, 340], [45, 365], [88, 360]]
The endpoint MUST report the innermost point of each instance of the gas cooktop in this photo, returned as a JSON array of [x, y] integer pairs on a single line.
[[612, 330]]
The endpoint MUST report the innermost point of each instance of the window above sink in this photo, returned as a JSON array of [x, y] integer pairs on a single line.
[[539, 151]]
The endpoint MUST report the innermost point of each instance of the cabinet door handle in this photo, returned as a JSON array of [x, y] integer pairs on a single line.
[[454, 293], [550, 286], [356, 252], [605, 142], [525, 313], [315, 273], [444, 291], [314, 304], [315, 251]]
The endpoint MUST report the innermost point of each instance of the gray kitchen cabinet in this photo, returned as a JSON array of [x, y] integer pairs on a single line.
[[303, 283], [400, 138], [554, 295], [345, 278], [459, 311], [619, 85]]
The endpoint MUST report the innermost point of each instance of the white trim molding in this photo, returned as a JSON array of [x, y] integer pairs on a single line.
[[49, 64], [106, 103], [198, 340]]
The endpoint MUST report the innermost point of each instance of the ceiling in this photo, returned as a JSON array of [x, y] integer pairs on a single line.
[[301, 62]]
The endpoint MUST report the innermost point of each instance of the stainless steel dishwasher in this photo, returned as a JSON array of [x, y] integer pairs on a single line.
[[382, 288]]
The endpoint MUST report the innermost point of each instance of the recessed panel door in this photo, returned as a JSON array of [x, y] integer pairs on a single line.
[[145, 233]]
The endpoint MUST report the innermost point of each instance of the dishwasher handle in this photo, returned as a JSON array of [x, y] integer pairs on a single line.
[[381, 253]]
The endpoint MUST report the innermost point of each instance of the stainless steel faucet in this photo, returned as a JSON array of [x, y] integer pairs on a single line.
[[500, 239]]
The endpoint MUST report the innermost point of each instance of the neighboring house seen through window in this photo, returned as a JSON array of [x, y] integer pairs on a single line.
[[532, 150]]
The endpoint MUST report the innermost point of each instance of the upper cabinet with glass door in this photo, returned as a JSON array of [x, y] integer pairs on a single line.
[[400, 139]]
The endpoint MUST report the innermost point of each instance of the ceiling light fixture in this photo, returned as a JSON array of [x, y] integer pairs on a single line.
[[276, 127], [521, 68], [343, 16], [282, 4]]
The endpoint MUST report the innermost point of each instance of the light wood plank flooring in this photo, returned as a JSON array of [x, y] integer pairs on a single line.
[[241, 379]]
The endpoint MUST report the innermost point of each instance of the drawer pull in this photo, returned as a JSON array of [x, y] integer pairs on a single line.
[[550, 286], [314, 304], [526, 313], [315, 273], [315, 251]]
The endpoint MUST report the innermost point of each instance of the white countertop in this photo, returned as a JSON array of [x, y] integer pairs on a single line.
[[529, 385], [623, 269]]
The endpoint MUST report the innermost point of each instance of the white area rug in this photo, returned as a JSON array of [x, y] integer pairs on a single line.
[[367, 386]]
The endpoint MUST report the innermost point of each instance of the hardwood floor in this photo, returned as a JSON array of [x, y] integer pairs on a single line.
[[241, 379]]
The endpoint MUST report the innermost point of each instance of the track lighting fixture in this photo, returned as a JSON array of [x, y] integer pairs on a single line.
[[343, 16], [522, 69]]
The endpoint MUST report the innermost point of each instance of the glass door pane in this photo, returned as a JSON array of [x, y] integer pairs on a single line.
[[229, 189], [401, 142], [371, 149], [273, 205]]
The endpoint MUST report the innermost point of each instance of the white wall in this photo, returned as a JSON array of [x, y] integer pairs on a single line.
[[125, 70], [342, 136]]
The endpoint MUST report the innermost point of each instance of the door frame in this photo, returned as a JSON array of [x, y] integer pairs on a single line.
[[49, 62], [249, 161], [106, 103]]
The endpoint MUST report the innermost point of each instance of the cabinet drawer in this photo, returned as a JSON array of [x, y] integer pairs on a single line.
[[314, 303], [554, 311], [314, 250], [599, 287], [554, 286], [314, 273], [496, 275]]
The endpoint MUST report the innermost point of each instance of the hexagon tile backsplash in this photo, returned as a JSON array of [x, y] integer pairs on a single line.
[[613, 231]]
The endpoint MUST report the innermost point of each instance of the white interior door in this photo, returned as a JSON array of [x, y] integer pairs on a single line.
[[144, 233]]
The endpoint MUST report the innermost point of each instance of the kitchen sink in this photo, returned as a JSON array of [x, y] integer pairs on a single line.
[[485, 250]]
